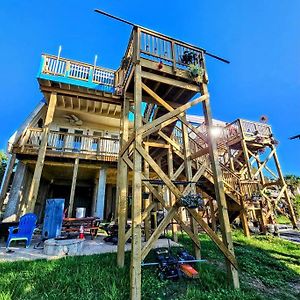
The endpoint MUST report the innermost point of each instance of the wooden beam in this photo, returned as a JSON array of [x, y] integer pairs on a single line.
[[178, 172], [157, 233], [34, 188], [161, 200], [6, 178], [172, 198], [145, 214], [109, 98], [73, 188], [189, 176], [286, 194], [156, 145], [221, 245], [136, 212], [171, 109], [220, 195], [200, 153], [170, 81], [147, 224], [172, 113], [122, 189]]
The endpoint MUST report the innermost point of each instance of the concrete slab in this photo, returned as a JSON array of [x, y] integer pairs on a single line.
[[90, 247]]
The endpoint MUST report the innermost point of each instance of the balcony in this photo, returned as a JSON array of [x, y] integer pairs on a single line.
[[175, 58], [161, 54], [70, 145], [249, 130], [76, 73]]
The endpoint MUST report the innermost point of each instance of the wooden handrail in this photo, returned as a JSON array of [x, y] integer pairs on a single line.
[[106, 148]]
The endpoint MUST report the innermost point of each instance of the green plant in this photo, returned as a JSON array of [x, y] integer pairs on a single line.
[[297, 205], [3, 163]]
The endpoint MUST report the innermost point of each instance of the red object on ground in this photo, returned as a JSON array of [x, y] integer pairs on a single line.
[[81, 232], [189, 271]]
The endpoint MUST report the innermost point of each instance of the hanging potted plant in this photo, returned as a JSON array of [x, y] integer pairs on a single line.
[[192, 201]]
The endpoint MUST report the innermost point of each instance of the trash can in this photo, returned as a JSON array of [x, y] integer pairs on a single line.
[[80, 212]]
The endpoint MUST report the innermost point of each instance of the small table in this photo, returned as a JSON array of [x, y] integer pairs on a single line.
[[89, 224]]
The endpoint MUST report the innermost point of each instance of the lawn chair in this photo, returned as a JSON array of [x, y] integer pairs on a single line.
[[24, 231]]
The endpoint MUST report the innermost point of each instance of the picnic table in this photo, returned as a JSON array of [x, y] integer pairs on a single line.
[[90, 225]]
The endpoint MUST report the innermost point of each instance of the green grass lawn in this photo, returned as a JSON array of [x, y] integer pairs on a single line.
[[269, 269]]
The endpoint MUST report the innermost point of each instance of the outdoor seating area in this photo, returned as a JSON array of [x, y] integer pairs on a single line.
[[90, 246]]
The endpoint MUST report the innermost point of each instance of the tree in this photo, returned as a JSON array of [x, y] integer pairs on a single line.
[[3, 164], [293, 182]]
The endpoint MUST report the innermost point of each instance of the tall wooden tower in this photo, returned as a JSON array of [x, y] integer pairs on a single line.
[[169, 77]]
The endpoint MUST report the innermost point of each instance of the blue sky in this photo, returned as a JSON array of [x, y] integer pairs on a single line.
[[260, 38]]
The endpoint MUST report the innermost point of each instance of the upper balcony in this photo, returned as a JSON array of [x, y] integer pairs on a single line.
[[76, 73], [162, 58], [255, 132], [171, 68]]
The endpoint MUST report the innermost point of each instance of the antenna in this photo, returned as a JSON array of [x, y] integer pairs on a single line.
[[57, 61], [95, 60], [135, 25]]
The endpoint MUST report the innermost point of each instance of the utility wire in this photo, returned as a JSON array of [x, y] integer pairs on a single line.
[[135, 25]]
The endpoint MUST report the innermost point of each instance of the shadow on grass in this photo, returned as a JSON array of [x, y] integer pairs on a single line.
[[263, 276]]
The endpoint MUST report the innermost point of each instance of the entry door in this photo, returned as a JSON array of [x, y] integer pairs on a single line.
[[96, 145], [61, 142], [77, 140]]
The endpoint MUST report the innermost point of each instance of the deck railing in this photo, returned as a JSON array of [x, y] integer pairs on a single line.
[[88, 75], [240, 128], [159, 48], [251, 128], [105, 148]]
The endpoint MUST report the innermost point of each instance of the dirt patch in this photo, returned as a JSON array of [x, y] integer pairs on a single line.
[[258, 285]]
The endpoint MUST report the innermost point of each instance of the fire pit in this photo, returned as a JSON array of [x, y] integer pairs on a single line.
[[62, 247]]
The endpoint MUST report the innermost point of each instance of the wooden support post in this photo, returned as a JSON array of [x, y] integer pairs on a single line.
[[262, 179], [73, 187], [212, 214], [244, 219], [147, 224], [123, 189], [16, 193], [136, 211], [172, 197], [189, 177], [6, 178], [231, 160], [219, 190], [34, 188], [286, 193], [246, 155], [262, 219]]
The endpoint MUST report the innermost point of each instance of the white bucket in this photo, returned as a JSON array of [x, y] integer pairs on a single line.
[[80, 212]]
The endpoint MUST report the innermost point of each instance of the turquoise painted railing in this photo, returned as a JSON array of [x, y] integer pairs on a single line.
[[77, 73]]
